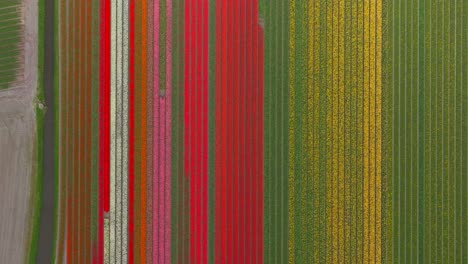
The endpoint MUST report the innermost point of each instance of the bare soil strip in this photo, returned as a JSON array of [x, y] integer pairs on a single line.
[[17, 141]]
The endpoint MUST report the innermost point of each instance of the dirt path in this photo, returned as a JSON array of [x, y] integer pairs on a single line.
[[17, 138]]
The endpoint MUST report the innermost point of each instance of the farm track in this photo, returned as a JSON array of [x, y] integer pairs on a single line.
[[19, 142]]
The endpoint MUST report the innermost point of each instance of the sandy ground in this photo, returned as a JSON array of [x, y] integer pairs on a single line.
[[17, 138]]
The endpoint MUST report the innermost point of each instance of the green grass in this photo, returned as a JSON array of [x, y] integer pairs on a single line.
[[36, 187], [56, 130]]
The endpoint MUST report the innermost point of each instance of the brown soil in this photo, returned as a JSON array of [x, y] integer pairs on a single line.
[[17, 140]]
